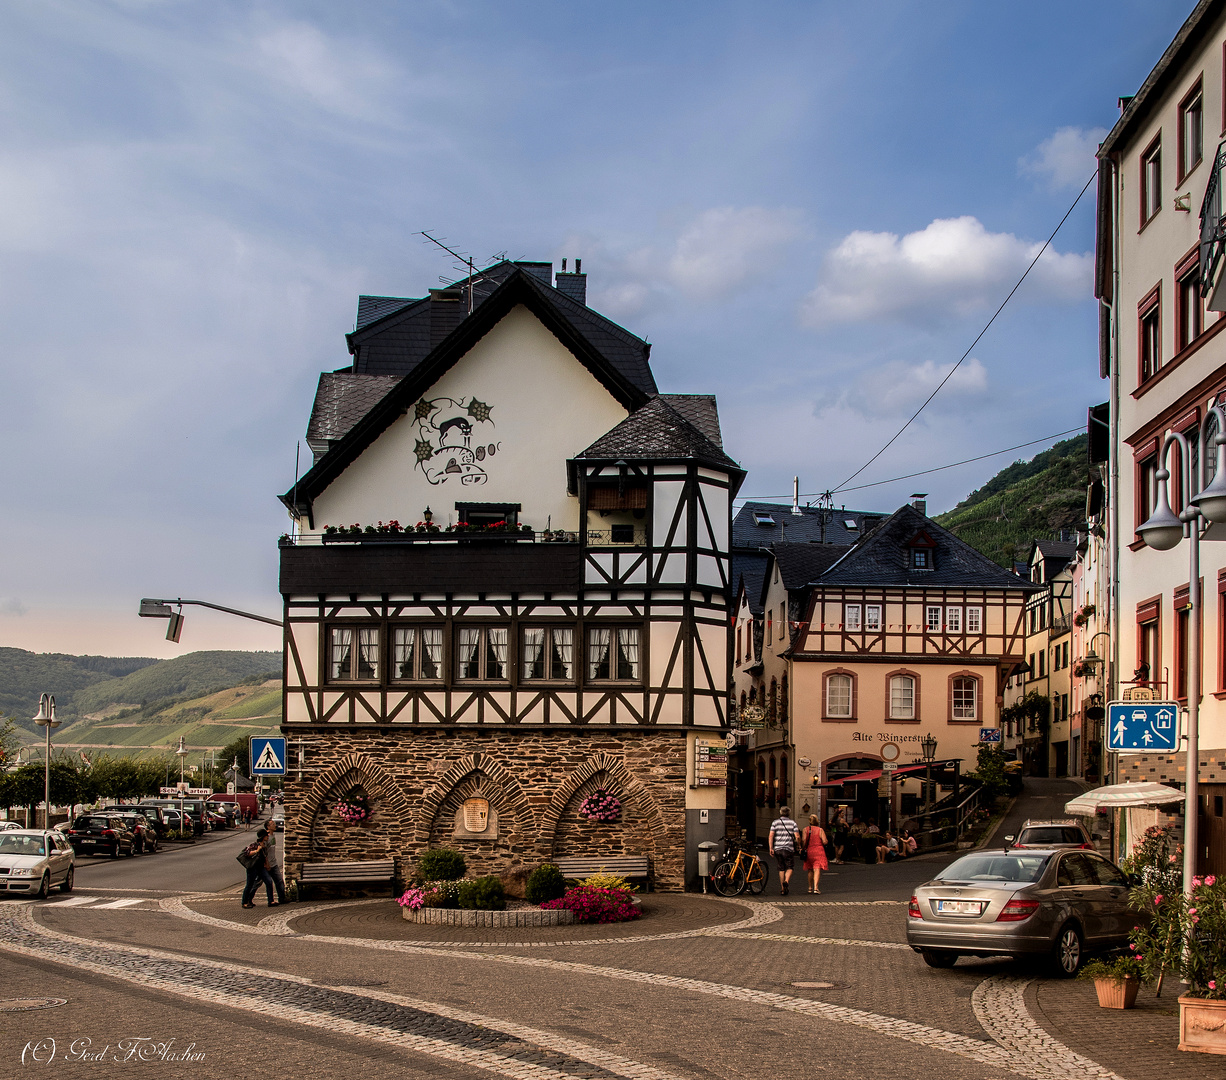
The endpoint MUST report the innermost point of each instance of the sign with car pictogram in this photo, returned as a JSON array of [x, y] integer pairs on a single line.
[[1143, 727]]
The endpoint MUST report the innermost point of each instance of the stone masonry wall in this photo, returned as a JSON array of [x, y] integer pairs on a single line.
[[415, 781]]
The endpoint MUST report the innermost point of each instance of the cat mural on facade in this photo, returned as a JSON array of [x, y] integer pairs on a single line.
[[453, 439]]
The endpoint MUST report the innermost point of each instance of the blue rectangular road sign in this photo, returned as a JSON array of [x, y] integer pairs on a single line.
[[267, 755], [1139, 727], [989, 734]]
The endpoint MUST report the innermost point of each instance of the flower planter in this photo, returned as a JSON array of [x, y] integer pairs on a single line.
[[1117, 993], [1202, 1025], [521, 917]]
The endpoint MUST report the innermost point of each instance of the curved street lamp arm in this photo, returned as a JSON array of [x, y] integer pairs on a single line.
[[215, 607]]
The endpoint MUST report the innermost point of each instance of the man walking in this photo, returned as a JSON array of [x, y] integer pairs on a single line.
[[784, 843], [273, 853]]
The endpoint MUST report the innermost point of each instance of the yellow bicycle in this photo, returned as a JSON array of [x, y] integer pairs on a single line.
[[745, 870]]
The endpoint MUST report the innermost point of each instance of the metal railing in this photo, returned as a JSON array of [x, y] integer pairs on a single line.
[[1212, 226], [618, 536]]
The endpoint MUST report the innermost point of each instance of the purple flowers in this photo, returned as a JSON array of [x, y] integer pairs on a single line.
[[601, 806], [353, 808]]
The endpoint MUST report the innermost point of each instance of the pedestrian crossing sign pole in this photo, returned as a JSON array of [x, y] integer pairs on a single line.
[[267, 755]]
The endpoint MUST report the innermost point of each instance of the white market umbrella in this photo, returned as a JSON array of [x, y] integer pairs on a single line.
[[1123, 795]]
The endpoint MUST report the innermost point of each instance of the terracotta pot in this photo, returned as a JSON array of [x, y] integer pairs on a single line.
[[1202, 1025], [1117, 993]]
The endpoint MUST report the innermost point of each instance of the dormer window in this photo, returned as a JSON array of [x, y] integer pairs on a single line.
[[850, 524], [922, 551], [760, 518], [920, 560]]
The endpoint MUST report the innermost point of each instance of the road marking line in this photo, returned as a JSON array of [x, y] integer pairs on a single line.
[[491, 1061], [120, 903], [1000, 1007], [812, 940], [75, 901]]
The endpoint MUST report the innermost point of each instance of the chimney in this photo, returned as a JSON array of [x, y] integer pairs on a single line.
[[572, 285], [919, 501], [447, 308]]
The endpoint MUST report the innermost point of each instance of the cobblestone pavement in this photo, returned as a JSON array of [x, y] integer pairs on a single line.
[[699, 987]]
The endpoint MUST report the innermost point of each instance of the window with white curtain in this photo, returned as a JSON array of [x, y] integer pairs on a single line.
[[974, 620], [851, 616], [872, 617], [966, 698], [548, 652], [953, 620], [481, 653], [417, 653], [902, 697], [353, 654], [838, 696], [613, 653]]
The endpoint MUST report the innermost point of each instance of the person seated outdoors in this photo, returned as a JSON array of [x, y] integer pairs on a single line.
[[906, 844], [888, 851]]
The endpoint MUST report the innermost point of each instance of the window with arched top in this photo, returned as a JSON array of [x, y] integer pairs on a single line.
[[772, 703], [753, 695], [903, 695], [783, 702], [761, 792], [839, 695], [965, 697], [772, 782], [783, 779]]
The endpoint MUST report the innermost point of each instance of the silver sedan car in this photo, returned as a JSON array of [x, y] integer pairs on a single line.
[[33, 860], [1056, 903]]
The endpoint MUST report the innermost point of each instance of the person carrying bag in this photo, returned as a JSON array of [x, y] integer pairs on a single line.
[[254, 859]]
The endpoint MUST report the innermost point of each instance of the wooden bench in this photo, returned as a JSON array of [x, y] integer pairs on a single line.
[[335, 873], [627, 866]]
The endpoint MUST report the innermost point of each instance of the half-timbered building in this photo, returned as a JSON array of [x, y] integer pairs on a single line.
[[508, 589], [910, 632]]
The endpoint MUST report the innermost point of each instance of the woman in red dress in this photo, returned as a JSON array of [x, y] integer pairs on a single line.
[[814, 838]]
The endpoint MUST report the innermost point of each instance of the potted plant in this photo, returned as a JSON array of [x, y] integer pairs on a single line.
[[353, 808], [601, 806], [1116, 981]]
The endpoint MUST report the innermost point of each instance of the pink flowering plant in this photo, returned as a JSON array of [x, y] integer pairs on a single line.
[[353, 808], [431, 894], [594, 905], [601, 806], [1186, 935]]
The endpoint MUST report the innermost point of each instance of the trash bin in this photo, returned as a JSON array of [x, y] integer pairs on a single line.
[[708, 856]]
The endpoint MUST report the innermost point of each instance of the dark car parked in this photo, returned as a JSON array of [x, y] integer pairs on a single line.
[[226, 809], [95, 834], [193, 808], [144, 834], [153, 814]]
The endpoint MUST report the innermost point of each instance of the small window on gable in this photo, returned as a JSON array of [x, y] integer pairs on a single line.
[[919, 560], [850, 525], [760, 518]]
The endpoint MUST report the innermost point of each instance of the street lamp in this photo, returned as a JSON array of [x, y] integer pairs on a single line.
[[1163, 531], [46, 718], [182, 753], [928, 747]]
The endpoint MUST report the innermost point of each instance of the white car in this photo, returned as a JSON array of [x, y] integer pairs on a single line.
[[7, 826], [33, 860]]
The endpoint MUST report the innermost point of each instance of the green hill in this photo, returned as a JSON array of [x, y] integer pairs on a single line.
[[1026, 501], [85, 685]]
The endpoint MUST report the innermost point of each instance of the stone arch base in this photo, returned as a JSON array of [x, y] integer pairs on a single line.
[[318, 835], [416, 776]]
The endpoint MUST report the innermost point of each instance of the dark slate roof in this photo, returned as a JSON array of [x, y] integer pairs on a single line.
[[805, 526], [701, 411], [373, 308], [1055, 549], [803, 564], [341, 400], [396, 341], [657, 431], [749, 568], [631, 386], [883, 558]]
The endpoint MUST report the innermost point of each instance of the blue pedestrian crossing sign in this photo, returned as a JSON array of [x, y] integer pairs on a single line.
[[267, 755], [1139, 727]]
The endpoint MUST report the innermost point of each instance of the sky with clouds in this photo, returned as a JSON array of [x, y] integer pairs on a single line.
[[810, 212]]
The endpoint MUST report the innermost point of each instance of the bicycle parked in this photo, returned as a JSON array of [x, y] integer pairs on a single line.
[[740, 871]]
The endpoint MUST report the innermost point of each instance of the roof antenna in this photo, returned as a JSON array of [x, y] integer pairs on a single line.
[[467, 260]]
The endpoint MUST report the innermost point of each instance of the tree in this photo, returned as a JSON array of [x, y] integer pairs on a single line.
[[237, 748], [990, 771], [8, 739]]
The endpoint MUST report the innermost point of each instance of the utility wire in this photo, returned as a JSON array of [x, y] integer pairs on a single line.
[[924, 472], [934, 393]]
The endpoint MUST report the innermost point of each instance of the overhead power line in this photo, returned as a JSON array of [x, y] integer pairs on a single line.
[[924, 405], [922, 472]]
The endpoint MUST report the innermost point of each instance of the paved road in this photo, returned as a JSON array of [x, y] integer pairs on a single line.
[[208, 865], [700, 987]]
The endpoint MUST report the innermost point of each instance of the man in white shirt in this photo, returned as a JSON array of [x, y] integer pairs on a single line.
[[784, 844]]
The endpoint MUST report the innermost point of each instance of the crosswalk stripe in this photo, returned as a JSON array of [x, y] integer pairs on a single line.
[[119, 903], [75, 901]]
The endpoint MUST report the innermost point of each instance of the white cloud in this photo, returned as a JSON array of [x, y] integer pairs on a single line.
[[12, 605], [954, 266], [706, 258], [1067, 158], [899, 387]]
